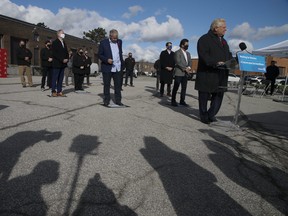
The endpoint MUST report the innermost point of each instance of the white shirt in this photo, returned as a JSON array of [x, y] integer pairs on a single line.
[[185, 55], [116, 57]]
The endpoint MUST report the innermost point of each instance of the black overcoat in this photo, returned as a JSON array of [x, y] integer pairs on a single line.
[[166, 60], [78, 62], [211, 50], [60, 53]]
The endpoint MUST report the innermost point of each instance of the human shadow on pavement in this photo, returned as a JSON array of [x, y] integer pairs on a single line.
[[269, 183], [165, 101], [22, 195], [3, 107], [274, 123], [13, 146], [192, 190], [82, 146], [98, 199]]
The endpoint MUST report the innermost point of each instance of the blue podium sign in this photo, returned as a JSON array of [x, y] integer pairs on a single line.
[[251, 63]]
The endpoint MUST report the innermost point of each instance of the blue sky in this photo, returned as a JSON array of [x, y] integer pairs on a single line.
[[145, 25]]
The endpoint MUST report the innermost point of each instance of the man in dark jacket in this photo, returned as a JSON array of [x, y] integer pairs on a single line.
[[46, 63], [272, 72], [129, 65], [112, 64], [212, 75], [24, 57], [167, 66], [60, 59]]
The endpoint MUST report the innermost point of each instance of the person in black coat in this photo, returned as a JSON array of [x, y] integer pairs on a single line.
[[129, 65], [46, 63], [212, 75], [79, 69], [272, 72], [60, 59], [167, 66], [24, 57], [88, 63]]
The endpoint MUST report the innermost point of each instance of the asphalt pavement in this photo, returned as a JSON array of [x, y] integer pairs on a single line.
[[73, 156]]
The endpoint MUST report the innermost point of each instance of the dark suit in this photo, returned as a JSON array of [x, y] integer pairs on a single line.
[[211, 80], [166, 77], [78, 70], [60, 52], [46, 66], [105, 53], [180, 75]]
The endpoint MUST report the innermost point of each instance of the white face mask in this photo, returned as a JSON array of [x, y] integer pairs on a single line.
[[62, 35]]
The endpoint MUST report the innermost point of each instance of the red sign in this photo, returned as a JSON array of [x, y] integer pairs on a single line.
[[3, 63]]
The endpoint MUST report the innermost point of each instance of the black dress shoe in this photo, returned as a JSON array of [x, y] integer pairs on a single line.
[[120, 104], [212, 119], [173, 103], [183, 103], [106, 104], [205, 121]]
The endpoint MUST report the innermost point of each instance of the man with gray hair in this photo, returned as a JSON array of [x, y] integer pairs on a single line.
[[60, 59], [112, 64], [212, 73]]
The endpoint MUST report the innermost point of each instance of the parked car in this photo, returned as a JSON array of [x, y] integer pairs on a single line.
[[256, 79], [280, 80], [233, 78]]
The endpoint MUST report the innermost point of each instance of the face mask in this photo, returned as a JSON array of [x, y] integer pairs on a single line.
[[130, 55], [22, 45], [81, 53], [62, 35], [169, 47], [185, 47], [49, 46]]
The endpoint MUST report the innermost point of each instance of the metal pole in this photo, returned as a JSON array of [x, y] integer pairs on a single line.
[[240, 89]]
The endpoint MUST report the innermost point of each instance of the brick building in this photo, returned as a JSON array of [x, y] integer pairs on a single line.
[[13, 30]]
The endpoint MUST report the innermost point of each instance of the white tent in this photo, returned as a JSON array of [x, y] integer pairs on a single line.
[[277, 50]]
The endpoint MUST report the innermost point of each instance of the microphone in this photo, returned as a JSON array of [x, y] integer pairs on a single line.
[[242, 46]]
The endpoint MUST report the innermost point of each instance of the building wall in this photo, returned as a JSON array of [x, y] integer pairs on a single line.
[[13, 30]]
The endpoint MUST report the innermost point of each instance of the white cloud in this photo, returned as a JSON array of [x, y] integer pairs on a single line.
[[246, 32], [133, 11], [149, 54], [75, 21]]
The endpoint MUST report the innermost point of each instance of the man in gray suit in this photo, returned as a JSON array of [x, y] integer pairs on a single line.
[[183, 64]]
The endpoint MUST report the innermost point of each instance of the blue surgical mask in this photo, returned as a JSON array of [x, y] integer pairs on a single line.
[[169, 47]]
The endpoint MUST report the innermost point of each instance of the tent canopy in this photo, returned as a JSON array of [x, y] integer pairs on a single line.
[[277, 50]]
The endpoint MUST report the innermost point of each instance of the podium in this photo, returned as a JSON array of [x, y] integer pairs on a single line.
[[3, 63]]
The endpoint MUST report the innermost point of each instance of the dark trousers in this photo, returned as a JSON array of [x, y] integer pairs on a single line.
[[87, 78], [177, 81], [129, 73], [162, 88], [57, 79], [216, 101], [117, 79], [46, 72], [78, 81], [272, 86]]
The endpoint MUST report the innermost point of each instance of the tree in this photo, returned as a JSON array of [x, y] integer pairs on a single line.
[[41, 24], [95, 35]]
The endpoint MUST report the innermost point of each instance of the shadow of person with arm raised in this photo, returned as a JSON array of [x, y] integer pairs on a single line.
[[12, 147], [82, 146], [271, 184], [22, 195], [97, 199], [192, 190]]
